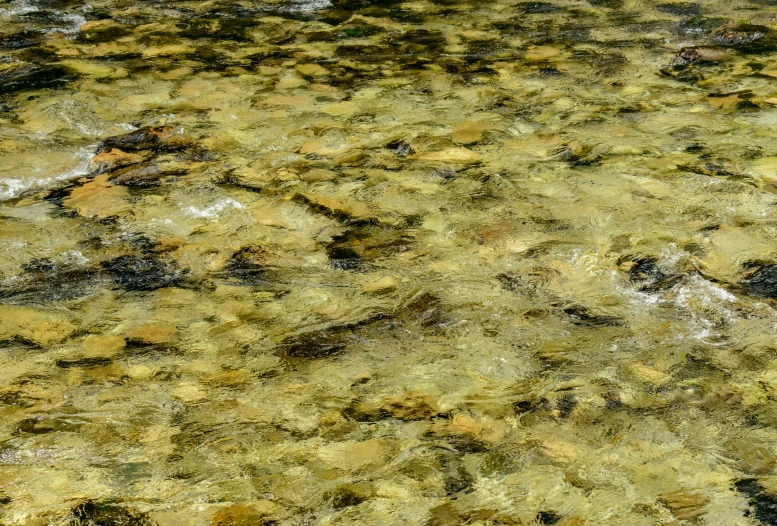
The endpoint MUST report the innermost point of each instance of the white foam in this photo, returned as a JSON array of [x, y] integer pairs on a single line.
[[306, 6], [16, 8], [213, 211], [15, 186]]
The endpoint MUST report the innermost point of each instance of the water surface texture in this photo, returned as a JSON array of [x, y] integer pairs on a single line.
[[432, 262]]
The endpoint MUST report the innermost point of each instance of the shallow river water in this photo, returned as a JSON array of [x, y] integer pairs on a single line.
[[432, 262]]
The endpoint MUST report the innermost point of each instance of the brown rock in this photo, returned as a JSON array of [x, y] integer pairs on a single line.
[[693, 54], [97, 198], [470, 132], [319, 175], [39, 327], [413, 405], [443, 515], [152, 334], [103, 346], [350, 158], [685, 505], [751, 455], [229, 378], [238, 515], [739, 35], [148, 138], [112, 158]]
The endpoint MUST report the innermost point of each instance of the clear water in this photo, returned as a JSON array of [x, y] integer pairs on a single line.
[[374, 262]]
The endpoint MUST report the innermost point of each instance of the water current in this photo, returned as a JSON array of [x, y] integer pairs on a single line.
[[433, 262]]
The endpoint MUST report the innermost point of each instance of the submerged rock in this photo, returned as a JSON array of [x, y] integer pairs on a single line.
[[740, 35], [20, 40], [764, 505], [644, 271], [761, 280], [685, 506], [107, 513], [47, 280], [700, 24], [343, 258], [142, 273], [317, 344], [531, 8], [154, 138], [681, 8], [23, 76], [702, 54], [144, 175], [111, 159], [246, 266]]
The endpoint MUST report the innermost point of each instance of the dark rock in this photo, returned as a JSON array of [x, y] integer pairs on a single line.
[[412, 49], [142, 273], [531, 8], [43, 425], [550, 72], [143, 175], [365, 412], [324, 342], [764, 505], [45, 280], [357, 29], [760, 280], [703, 54], [714, 167], [400, 148], [154, 138], [611, 4], [548, 517], [317, 344], [23, 39], [455, 476], [583, 316], [426, 309], [566, 404], [23, 76], [739, 35], [368, 243], [681, 8], [682, 73], [42, 16], [344, 497], [83, 362], [245, 266], [526, 406], [222, 29], [339, 214], [107, 513], [106, 33], [641, 268], [343, 258], [701, 25], [644, 271]]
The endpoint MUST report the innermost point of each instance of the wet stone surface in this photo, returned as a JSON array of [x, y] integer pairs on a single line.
[[372, 262]]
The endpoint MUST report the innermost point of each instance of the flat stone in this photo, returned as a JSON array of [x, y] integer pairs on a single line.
[[112, 158], [37, 326], [379, 286], [103, 346]]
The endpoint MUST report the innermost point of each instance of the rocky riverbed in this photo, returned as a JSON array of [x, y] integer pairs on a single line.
[[402, 263]]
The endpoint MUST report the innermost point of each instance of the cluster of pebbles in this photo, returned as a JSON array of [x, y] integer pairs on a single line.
[[371, 262]]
